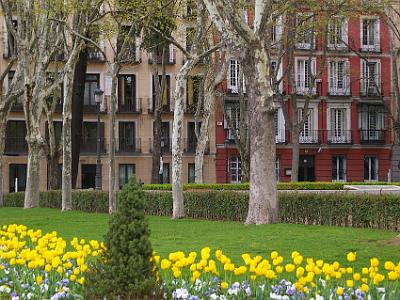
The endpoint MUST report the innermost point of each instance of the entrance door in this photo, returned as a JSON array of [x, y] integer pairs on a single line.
[[88, 176], [307, 168]]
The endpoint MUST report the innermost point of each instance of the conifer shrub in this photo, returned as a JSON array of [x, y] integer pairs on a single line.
[[125, 270]]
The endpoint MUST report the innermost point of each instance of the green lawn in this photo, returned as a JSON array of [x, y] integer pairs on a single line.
[[233, 238]]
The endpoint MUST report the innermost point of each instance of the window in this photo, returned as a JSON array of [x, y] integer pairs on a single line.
[[339, 168], [232, 120], [164, 53], [277, 169], [125, 173], [370, 34], [371, 79], [372, 123], [236, 169], [308, 135], [305, 32], [191, 143], [338, 37], [10, 48], [89, 137], [165, 173], [132, 50], [92, 82], [165, 136], [279, 126], [57, 131], [17, 182], [233, 76], [339, 78], [93, 52], [16, 138], [371, 165], [166, 95], [194, 92], [338, 132], [127, 92], [305, 70], [276, 29], [191, 173], [126, 135]]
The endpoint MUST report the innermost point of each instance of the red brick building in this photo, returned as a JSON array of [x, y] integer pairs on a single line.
[[347, 135]]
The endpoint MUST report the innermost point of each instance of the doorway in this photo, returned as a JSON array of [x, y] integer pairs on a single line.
[[307, 168], [88, 176]]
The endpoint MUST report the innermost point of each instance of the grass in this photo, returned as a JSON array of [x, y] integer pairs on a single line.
[[328, 243]]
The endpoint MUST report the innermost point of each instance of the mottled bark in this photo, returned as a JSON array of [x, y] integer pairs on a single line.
[[33, 174], [69, 71], [263, 203], [295, 153], [112, 196], [77, 112], [177, 149]]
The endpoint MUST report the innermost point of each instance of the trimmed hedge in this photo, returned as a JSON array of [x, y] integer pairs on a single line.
[[335, 209], [245, 186]]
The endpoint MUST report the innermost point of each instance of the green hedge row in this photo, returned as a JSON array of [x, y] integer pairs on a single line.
[[245, 186], [335, 209], [281, 186]]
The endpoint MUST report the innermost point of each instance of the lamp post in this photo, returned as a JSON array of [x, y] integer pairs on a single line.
[[161, 172], [98, 95]]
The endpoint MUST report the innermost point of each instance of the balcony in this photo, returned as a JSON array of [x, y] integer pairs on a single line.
[[166, 108], [304, 88], [132, 55], [133, 106], [340, 90], [309, 137], [339, 137], [128, 146], [95, 55], [17, 107], [169, 57], [167, 145], [371, 89], [16, 146], [372, 136], [89, 145]]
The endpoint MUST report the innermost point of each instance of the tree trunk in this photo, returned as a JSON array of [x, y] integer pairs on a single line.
[[111, 152], [33, 174], [77, 112], [3, 126], [263, 202], [54, 172], [245, 161], [295, 154], [202, 140], [53, 154], [177, 151], [69, 70]]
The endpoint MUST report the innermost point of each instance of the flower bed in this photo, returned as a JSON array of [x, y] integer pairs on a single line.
[[210, 275], [34, 265]]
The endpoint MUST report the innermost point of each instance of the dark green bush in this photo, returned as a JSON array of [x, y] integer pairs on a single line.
[[126, 270]]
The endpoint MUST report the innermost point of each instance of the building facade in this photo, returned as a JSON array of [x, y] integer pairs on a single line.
[[134, 137], [347, 133]]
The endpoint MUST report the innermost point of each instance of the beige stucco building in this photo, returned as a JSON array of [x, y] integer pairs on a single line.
[[134, 124]]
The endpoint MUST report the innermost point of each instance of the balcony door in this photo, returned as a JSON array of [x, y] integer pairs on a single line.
[[127, 137], [307, 168]]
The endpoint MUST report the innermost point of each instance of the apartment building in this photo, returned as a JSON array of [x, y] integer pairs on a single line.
[[347, 133], [135, 107]]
